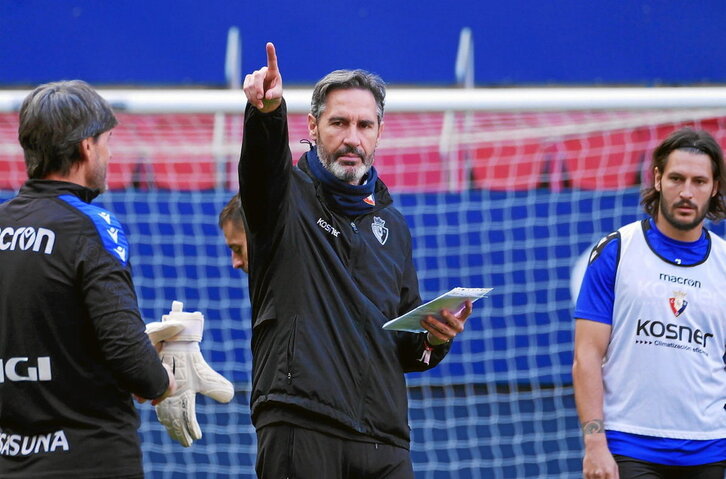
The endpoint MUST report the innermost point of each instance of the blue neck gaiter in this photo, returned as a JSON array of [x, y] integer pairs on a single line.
[[352, 200]]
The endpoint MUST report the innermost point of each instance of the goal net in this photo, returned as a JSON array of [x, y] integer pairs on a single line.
[[508, 196]]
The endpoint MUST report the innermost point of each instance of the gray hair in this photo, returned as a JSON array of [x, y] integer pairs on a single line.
[[54, 119], [345, 80]]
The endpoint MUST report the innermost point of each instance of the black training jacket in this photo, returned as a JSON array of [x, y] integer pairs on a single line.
[[72, 342], [321, 285]]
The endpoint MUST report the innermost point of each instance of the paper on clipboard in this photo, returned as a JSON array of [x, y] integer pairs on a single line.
[[452, 300]]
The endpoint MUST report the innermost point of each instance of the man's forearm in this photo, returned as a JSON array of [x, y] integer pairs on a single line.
[[587, 380]]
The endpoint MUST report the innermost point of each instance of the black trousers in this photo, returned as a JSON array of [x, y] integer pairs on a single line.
[[630, 468], [285, 451]]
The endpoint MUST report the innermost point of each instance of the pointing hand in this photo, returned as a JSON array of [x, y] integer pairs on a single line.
[[263, 87]]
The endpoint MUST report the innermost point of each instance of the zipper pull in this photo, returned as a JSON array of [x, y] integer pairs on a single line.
[[355, 228]]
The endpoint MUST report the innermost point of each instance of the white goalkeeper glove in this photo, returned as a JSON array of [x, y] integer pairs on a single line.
[[160, 331], [192, 373]]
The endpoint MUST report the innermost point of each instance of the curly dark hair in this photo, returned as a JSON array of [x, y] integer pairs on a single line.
[[693, 141]]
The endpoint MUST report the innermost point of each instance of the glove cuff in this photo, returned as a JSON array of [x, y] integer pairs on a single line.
[[159, 331], [193, 323], [175, 345]]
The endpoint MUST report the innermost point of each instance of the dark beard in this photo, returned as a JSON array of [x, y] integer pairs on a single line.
[[680, 225]]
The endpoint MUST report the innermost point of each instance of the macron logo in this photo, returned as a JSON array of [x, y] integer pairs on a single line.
[[113, 233], [121, 252], [679, 280], [27, 238], [327, 227]]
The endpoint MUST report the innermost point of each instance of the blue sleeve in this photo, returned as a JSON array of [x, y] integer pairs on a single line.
[[110, 300], [597, 293]]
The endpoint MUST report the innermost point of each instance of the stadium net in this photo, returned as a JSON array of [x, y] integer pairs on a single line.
[[502, 189]]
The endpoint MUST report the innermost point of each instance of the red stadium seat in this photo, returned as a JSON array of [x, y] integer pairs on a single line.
[[120, 175], [506, 167], [610, 160], [12, 172], [174, 173], [404, 170]]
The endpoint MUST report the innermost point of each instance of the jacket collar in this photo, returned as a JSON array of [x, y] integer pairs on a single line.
[[383, 197], [54, 188]]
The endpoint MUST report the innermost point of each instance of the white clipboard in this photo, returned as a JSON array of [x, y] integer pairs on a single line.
[[452, 300]]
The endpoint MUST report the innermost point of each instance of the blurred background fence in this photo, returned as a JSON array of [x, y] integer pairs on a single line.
[[509, 197], [506, 168]]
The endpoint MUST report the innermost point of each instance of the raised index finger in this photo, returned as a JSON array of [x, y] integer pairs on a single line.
[[271, 57]]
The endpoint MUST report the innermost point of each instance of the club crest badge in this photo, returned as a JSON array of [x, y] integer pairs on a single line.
[[678, 303], [379, 229]]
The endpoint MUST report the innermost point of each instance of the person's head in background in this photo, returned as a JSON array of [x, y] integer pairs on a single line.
[[64, 131], [233, 228], [688, 183]]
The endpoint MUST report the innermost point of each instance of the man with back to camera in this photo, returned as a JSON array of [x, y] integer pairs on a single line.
[[233, 228], [650, 335], [72, 341], [330, 262]]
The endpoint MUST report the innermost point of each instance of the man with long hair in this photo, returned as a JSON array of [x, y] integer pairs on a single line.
[[650, 335]]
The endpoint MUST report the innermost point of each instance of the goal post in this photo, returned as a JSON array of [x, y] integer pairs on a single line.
[[187, 139], [502, 188], [417, 99]]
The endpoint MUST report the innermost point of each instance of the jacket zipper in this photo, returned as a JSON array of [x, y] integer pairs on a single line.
[[291, 350]]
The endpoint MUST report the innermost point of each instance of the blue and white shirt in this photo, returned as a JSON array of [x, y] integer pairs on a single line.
[[663, 373]]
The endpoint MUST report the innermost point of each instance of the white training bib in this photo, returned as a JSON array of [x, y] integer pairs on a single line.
[[664, 369]]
